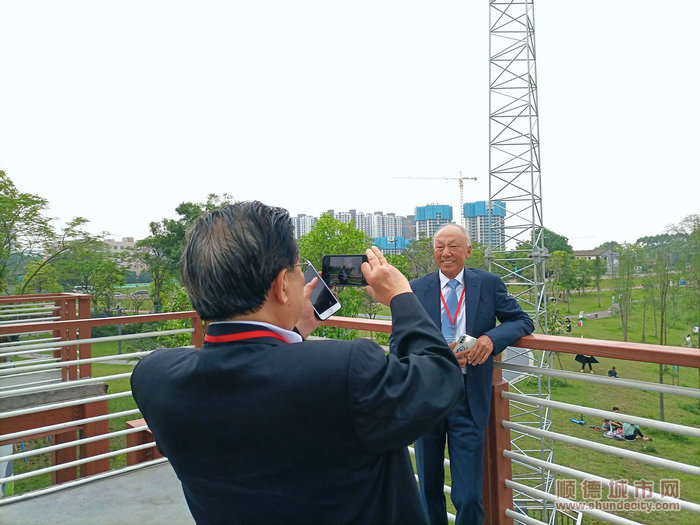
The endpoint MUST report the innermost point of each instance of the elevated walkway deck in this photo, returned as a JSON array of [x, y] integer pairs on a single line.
[[148, 495]]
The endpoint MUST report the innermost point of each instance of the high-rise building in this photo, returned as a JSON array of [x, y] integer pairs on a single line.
[[476, 218], [408, 226], [396, 231], [430, 218], [374, 224], [391, 245], [303, 224]]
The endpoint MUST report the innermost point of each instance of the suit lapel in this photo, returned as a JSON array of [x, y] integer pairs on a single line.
[[472, 286], [431, 298]]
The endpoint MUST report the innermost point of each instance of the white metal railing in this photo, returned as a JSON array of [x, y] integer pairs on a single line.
[[36, 356], [524, 454], [525, 457]]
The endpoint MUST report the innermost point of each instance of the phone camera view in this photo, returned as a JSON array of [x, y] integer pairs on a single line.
[[343, 270]]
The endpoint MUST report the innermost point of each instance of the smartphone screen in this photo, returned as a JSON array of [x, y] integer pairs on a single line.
[[325, 303], [343, 270]]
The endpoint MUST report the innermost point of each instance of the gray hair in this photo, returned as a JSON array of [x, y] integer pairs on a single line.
[[464, 231], [233, 254]]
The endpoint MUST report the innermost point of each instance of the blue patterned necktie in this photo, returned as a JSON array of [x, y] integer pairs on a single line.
[[451, 302]]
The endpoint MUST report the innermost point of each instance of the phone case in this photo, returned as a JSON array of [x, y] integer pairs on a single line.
[[464, 342]]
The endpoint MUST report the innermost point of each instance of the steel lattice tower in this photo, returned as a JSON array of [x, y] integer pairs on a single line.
[[514, 184]]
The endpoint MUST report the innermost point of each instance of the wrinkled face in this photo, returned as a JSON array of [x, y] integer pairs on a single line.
[[451, 250]]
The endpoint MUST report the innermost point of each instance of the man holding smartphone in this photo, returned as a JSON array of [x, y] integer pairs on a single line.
[[462, 301], [261, 426]]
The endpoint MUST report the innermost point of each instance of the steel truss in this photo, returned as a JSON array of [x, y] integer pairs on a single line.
[[519, 255]]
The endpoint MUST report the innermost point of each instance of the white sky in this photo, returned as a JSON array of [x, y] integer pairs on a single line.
[[119, 111]]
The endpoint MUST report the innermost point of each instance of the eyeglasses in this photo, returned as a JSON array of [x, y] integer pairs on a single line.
[[303, 265]]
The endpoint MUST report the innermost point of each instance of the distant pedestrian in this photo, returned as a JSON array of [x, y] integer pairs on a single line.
[[586, 360], [612, 372], [568, 325], [688, 341]]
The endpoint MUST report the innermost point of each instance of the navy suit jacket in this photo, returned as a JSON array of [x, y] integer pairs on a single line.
[[486, 300], [261, 431]]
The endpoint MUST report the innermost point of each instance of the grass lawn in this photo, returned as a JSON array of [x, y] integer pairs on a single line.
[[677, 409]]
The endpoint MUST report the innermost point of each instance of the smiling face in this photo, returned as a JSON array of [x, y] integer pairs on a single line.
[[452, 250]]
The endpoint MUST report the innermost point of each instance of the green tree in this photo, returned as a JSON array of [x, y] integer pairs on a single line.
[[597, 272], [623, 282], [689, 250], [582, 270], [168, 235], [477, 259], [330, 236], [327, 237], [27, 235], [400, 262], [555, 242], [561, 267], [648, 296], [609, 245], [421, 258], [58, 247], [91, 266], [43, 278], [153, 253], [23, 227]]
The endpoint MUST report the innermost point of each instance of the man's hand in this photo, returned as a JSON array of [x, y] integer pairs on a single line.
[[477, 354], [308, 322], [384, 281], [461, 356]]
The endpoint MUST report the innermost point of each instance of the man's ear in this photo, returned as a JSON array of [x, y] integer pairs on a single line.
[[279, 287]]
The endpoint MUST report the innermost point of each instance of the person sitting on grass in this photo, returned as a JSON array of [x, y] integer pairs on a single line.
[[611, 430], [615, 425], [632, 433]]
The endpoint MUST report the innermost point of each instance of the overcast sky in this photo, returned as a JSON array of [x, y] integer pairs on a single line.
[[119, 111]]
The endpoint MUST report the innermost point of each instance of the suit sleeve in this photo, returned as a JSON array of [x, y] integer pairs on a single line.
[[395, 398], [514, 322]]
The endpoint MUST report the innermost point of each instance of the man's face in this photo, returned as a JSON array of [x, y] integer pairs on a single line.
[[451, 250], [297, 291]]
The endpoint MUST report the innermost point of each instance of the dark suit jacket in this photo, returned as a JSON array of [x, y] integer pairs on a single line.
[[260, 431], [486, 300]]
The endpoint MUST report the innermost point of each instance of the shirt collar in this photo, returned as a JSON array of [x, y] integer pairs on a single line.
[[444, 279], [290, 337]]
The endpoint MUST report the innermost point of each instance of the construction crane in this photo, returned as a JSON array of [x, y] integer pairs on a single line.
[[461, 190]]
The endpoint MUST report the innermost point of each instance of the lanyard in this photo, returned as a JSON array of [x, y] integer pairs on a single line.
[[230, 338], [453, 320]]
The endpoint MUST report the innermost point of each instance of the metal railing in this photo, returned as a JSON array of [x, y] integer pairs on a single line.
[[89, 433]]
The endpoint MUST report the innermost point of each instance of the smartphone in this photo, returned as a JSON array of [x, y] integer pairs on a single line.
[[343, 270], [464, 342], [325, 303]]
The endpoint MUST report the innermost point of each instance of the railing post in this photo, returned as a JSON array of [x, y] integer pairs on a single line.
[[65, 455], [140, 438], [198, 334], [85, 333], [69, 313], [497, 497], [61, 333], [97, 428]]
